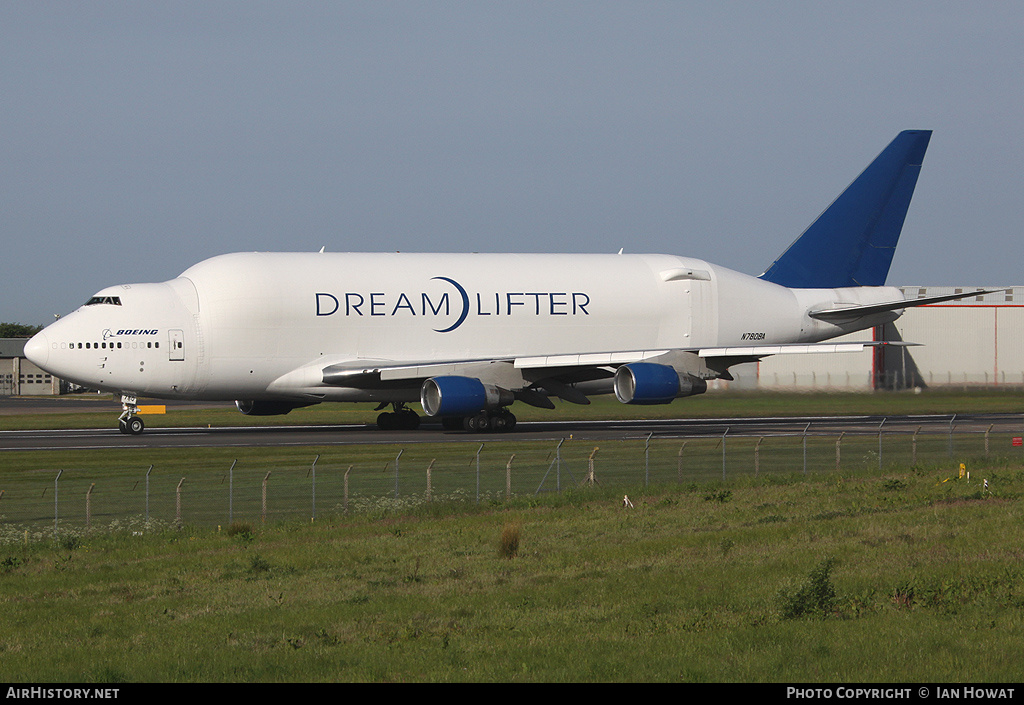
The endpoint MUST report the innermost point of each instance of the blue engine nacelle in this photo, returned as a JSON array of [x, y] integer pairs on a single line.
[[651, 383], [461, 396]]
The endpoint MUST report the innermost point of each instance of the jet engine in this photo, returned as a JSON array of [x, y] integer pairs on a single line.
[[461, 396], [651, 383]]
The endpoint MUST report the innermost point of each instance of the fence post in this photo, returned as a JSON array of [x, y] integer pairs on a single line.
[[478, 450], [312, 471], [951, 435], [590, 468], [177, 502], [88, 507], [396, 471], [428, 479], [557, 463], [508, 478], [913, 453], [647, 459], [805, 447], [757, 456], [986, 439], [231, 492], [839, 442], [55, 489], [263, 509], [880, 445], [344, 502], [558, 466], [723, 452], [679, 465], [147, 493]]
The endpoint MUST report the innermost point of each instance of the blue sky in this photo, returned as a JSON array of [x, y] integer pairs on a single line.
[[140, 138]]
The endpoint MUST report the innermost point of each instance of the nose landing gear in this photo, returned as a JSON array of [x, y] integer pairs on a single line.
[[129, 421]]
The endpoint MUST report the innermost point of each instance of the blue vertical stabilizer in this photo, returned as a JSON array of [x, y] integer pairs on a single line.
[[853, 241]]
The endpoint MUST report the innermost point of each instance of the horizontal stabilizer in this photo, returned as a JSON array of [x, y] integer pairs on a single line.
[[846, 313]]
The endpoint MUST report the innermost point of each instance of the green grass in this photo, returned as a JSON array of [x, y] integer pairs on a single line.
[[831, 578], [215, 486], [711, 405], [869, 574]]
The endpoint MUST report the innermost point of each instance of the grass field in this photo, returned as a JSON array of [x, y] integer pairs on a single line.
[[837, 579], [899, 574]]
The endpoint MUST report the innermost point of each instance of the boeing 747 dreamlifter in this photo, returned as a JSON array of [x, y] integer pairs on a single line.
[[466, 335]]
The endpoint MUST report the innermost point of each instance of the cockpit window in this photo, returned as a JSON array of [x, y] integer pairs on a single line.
[[112, 300]]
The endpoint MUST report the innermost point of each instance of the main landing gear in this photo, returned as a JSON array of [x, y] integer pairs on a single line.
[[129, 421], [499, 421], [401, 419]]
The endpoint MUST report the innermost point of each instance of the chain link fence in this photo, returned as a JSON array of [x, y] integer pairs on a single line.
[[387, 478]]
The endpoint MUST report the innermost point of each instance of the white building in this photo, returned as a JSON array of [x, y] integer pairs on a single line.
[[978, 341], [18, 376]]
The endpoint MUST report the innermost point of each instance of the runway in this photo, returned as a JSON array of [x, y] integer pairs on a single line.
[[335, 435]]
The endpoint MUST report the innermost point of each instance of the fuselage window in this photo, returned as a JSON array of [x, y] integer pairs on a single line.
[[87, 346], [149, 345], [119, 346]]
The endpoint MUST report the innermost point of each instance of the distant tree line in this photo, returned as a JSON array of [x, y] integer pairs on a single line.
[[18, 330]]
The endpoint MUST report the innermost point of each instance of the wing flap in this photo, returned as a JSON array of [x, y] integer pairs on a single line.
[[794, 349], [586, 359]]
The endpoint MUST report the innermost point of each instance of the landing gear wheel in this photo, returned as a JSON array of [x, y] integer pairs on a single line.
[[481, 423], [408, 419], [122, 426], [401, 420], [501, 421], [134, 425]]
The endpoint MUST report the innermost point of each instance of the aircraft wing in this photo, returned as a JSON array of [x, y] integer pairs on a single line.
[[389, 370], [555, 372]]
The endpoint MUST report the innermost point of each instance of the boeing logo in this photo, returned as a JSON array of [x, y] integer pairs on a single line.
[[107, 333], [455, 306]]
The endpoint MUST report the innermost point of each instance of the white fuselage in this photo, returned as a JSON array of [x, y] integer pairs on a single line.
[[264, 325]]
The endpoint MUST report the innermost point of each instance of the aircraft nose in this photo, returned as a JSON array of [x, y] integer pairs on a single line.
[[37, 349]]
